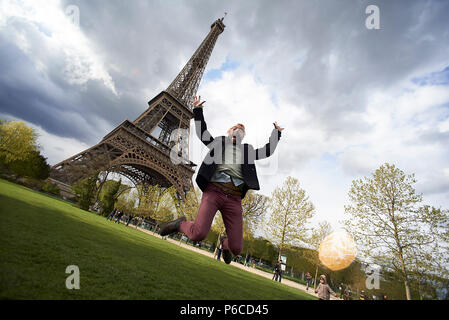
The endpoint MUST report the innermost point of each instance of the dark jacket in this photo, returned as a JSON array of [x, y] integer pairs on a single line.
[[216, 154], [278, 268]]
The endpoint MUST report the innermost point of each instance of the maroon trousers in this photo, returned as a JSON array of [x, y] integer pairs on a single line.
[[231, 210]]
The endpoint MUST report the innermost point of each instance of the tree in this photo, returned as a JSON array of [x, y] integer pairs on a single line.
[[34, 166], [386, 221], [264, 249], [254, 207], [19, 152], [51, 187], [102, 178], [84, 191], [190, 205], [17, 141], [109, 196], [290, 211], [430, 261], [156, 202], [148, 200], [127, 201]]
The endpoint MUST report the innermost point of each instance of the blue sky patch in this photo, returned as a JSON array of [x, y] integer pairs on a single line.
[[434, 78], [214, 74]]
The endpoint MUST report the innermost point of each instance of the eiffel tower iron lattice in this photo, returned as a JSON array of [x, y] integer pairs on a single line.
[[140, 150]]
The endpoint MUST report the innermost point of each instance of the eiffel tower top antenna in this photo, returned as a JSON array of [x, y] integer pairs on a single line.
[[186, 84]]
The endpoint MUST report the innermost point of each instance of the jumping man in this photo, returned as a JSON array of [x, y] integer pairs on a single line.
[[226, 174]]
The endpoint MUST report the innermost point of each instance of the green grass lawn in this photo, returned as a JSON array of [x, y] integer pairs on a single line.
[[40, 236]]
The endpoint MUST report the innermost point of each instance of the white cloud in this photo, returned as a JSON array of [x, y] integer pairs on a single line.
[[57, 149]]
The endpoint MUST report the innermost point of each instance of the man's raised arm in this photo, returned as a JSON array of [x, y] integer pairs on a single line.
[[200, 124], [268, 149]]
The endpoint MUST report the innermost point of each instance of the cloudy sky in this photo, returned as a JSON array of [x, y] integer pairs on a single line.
[[349, 98]]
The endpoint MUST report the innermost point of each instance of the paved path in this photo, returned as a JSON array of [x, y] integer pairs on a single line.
[[235, 264]]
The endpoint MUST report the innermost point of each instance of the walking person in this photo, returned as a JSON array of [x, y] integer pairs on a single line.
[[277, 271], [119, 217], [363, 295], [130, 217], [280, 271], [342, 291], [308, 280], [323, 289], [247, 259], [219, 250], [348, 293], [111, 215], [226, 174], [219, 254]]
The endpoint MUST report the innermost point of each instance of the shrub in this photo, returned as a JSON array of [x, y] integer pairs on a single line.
[[52, 188], [84, 190], [30, 183]]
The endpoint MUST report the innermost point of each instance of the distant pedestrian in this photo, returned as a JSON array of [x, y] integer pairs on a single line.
[[277, 272], [363, 295], [139, 222], [280, 270], [219, 249], [119, 217], [348, 293], [130, 217], [308, 280], [111, 215], [247, 259], [342, 291], [323, 289]]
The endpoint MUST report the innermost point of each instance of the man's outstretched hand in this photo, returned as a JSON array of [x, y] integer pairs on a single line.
[[196, 102], [277, 127]]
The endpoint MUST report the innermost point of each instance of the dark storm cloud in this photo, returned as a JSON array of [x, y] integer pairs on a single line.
[[24, 94], [46, 99]]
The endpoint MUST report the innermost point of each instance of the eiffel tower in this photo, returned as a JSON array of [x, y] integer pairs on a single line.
[[140, 150]]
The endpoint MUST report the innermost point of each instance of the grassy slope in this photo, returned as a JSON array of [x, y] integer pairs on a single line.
[[40, 236]]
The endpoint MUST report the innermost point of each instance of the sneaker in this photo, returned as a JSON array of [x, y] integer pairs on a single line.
[[227, 255], [171, 227]]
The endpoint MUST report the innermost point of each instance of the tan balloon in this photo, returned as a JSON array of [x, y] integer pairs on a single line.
[[337, 251]]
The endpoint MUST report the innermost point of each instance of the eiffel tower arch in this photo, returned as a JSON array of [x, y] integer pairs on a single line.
[[140, 150]]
